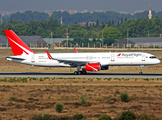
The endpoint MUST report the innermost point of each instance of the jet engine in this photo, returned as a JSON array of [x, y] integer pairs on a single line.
[[93, 67]]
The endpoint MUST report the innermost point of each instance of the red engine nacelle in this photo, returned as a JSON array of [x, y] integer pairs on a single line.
[[93, 67]]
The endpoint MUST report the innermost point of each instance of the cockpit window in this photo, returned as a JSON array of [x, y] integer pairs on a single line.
[[152, 57]]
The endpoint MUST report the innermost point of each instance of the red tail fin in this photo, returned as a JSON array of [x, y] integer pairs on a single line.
[[49, 56], [17, 45], [75, 50]]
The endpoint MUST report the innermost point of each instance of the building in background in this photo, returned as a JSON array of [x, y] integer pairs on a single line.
[[137, 42], [31, 41], [150, 15], [89, 23]]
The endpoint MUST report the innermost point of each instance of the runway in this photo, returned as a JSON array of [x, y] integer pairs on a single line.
[[88, 75]]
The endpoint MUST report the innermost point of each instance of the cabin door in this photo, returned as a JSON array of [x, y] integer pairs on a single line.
[[143, 57], [33, 58], [112, 57]]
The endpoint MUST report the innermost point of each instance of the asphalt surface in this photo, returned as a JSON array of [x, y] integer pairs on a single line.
[[88, 75]]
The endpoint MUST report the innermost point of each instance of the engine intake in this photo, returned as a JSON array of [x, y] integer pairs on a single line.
[[93, 67]]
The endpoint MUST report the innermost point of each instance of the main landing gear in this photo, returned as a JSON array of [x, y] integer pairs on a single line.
[[80, 72], [141, 68]]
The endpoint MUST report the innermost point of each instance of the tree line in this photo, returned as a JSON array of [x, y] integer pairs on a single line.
[[78, 17], [109, 31]]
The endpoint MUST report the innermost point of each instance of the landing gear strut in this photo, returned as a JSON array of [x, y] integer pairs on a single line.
[[141, 68], [80, 72]]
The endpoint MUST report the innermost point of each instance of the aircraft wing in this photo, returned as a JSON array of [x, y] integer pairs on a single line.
[[70, 62], [73, 62]]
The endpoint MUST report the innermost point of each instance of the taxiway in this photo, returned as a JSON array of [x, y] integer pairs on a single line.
[[88, 75]]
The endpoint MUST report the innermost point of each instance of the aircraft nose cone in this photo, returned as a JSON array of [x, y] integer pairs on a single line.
[[158, 61]]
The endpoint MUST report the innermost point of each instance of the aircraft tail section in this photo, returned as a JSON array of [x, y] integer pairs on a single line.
[[75, 50], [17, 45]]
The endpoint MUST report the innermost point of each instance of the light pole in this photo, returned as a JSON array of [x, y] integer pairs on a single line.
[[67, 37], [102, 38], [51, 39], [127, 36]]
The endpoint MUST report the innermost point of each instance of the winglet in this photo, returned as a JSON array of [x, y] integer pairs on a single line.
[[75, 50], [49, 56]]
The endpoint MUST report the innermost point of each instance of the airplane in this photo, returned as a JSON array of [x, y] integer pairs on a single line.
[[94, 61], [76, 51]]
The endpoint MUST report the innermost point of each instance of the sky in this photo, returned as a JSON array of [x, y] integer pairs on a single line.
[[129, 6]]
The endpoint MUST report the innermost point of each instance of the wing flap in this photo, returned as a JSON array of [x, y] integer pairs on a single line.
[[73, 62]]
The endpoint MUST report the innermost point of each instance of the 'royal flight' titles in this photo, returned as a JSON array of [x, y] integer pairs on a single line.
[[132, 54]]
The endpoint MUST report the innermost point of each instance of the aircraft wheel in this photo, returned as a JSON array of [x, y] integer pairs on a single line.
[[79, 73], [140, 73], [84, 72], [75, 72]]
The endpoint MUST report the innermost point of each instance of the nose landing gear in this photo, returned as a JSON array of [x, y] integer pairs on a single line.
[[141, 68]]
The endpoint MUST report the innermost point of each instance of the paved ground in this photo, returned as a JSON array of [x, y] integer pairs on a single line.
[[88, 75]]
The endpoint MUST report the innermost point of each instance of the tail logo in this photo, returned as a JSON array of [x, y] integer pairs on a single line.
[[24, 49], [17, 45], [94, 69], [119, 54]]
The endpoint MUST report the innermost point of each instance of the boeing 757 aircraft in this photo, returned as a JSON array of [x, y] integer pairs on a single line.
[[85, 61]]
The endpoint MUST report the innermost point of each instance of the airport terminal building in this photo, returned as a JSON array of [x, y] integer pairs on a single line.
[[138, 42], [31, 41]]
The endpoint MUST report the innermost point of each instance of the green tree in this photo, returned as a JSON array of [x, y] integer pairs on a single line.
[[121, 20], [127, 115], [113, 22], [156, 20], [150, 25], [59, 106], [90, 34], [61, 31], [87, 27], [77, 33], [50, 24], [111, 32], [103, 25], [124, 97], [104, 117], [109, 23], [76, 22], [108, 41], [118, 23], [40, 117], [97, 23], [11, 21], [125, 19]]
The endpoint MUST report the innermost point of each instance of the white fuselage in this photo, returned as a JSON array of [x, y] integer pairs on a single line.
[[104, 58]]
